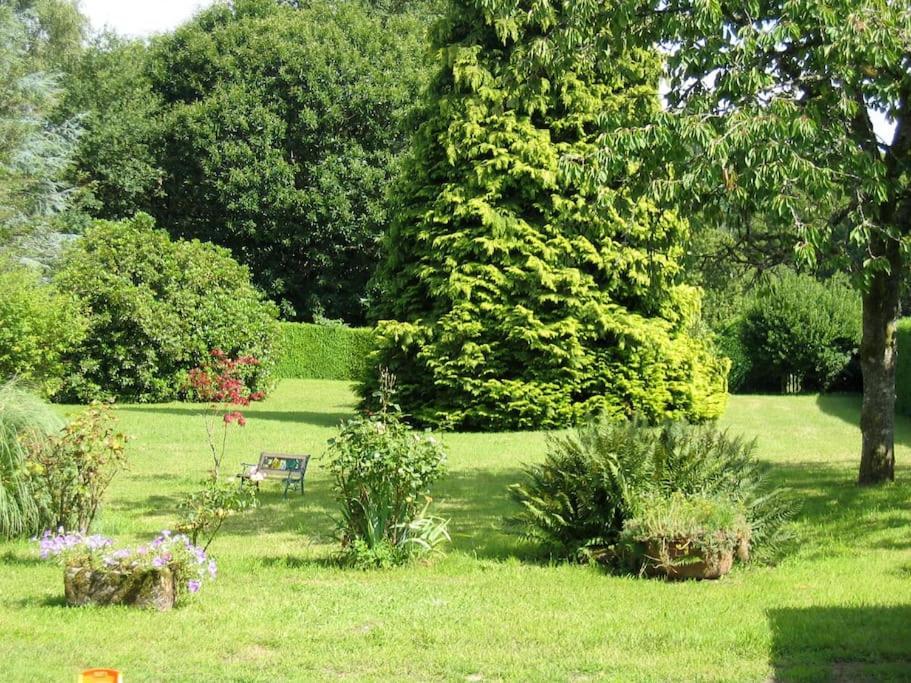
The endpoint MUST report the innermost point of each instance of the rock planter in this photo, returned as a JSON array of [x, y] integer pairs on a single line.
[[148, 589], [677, 560]]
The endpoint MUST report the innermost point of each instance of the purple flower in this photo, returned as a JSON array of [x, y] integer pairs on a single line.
[[213, 570], [193, 585], [158, 562]]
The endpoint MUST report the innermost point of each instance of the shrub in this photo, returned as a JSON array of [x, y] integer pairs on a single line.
[[76, 468], [576, 502], [669, 531], [157, 307], [26, 425], [797, 326], [324, 351], [38, 325], [382, 472]]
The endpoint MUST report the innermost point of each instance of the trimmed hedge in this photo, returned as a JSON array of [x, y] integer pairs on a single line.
[[323, 351], [903, 368]]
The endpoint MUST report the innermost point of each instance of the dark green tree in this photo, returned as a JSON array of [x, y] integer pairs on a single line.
[[518, 292], [281, 130], [115, 166]]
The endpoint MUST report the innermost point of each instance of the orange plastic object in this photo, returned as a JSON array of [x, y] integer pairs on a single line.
[[100, 676]]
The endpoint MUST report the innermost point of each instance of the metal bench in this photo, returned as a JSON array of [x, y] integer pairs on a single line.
[[291, 469]]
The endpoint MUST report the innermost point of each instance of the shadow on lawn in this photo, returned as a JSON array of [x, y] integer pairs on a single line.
[[475, 501], [871, 643], [316, 419], [830, 505], [846, 407]]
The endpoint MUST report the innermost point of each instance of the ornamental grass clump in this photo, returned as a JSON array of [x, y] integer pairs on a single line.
[[26, 425], [382, 474]]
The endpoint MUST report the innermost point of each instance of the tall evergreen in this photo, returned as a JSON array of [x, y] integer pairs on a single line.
[[519, 290]]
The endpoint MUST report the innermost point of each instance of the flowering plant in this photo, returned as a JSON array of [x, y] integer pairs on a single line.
[[221, 383], [188, 563]]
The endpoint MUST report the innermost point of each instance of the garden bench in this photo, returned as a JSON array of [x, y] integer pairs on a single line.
[[289, 468]]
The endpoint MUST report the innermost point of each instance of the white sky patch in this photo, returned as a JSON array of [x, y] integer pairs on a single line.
[[140, 18]]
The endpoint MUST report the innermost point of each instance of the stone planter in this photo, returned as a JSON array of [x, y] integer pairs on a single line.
[[678, 560], [150, 589]]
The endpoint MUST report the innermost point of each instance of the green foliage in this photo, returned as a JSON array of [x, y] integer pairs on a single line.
[[903, 367], [516, 292], [34, 149], [26, 425], [75, 469], [323, 351], [729, 343], [38, 325], [114, 163], [202, 513], [157, 308], [802, 327], [281, 129], [577, 501], [702, 528], [382, 472]]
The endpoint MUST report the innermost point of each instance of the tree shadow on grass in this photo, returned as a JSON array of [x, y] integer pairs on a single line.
[[313, 418], [13, 559], [846, 407], [475, 502], [871, 643], [831, 507]]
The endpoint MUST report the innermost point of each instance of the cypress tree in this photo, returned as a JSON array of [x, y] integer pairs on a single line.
[[520, 290]]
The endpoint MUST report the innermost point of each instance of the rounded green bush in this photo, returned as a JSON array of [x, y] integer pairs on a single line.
[[797, 326], [157, 308], [38, 325]]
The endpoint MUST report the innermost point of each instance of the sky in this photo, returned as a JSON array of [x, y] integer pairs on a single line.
[[137, 18]]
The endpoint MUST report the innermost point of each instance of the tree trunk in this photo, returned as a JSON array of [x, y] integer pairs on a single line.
[[877, 362]]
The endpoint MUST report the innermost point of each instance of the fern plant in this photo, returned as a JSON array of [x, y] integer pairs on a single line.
[[576, 502]]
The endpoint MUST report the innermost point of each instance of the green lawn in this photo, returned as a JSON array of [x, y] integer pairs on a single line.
[[838, 608]]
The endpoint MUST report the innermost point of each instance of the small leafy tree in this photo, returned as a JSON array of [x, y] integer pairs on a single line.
[[76, 468], [797, 327], [220, 383], [39, 325], [156, 308]]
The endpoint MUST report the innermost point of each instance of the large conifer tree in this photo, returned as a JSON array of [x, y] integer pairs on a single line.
[[518, 290]]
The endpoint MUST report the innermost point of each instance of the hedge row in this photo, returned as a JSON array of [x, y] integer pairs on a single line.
[[323, 352], [903, 368]]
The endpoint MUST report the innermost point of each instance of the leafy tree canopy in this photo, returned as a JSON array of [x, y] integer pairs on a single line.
[[281, 129]]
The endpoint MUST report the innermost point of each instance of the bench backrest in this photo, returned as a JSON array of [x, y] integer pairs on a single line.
[[282, 463]]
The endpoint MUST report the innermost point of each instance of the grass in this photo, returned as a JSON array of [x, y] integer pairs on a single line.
[[837, 608]]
